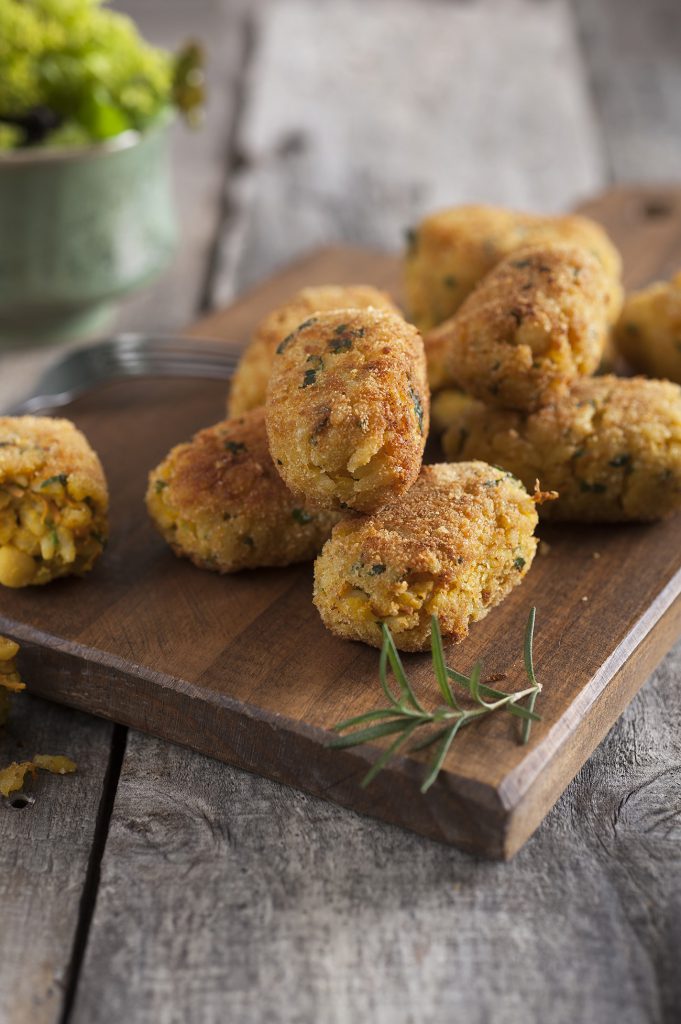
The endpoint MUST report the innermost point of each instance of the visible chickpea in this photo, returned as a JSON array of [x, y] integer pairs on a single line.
[[8, 649], [17, 569]]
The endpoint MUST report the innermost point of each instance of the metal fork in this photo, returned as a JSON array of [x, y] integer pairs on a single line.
[[128, 355]]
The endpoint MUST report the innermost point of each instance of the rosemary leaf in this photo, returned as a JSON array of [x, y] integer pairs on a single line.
[[439, 663], [529, 668], [398, 670], [388, 754], [383, 673], [406, 714], [370, 716], [366, 735], [441, 755]]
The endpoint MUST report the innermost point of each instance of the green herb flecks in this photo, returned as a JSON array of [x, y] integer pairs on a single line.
[[377, 570], [160, 485], [59, 478], [283, 345], [235, 447], [406, 716], [519, 563], [301, 516], [341, 344], [449, 281], [418, 407], [310, 375]]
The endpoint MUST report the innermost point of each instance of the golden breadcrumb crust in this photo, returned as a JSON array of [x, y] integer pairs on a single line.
[[249, 383], [348, 408], [450, 251], [219, 501], [532, 325], [53, 501], [648, 333], [611, 447], [454, 546]]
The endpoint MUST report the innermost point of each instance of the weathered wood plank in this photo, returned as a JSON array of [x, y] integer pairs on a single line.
[[632, 51], [252, 902], [362, 116], [225, 897], [45, 850]]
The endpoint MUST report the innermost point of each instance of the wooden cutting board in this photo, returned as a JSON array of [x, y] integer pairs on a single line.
[[242, 669]]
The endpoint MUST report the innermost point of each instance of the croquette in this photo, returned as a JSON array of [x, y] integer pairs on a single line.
[[649, 330], [451, 250], [53, 501], [249, 383], [532, 325], [348, 408], [454, 546], [219, 501], [611, 447], [10, 680]]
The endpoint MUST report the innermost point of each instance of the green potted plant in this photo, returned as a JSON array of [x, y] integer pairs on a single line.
[[85, 204]]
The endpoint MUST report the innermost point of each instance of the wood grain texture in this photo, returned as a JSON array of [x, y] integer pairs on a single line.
[[377, 923], [125, 643], [342, 139], [227, 897], [632, 53], [44, 854]]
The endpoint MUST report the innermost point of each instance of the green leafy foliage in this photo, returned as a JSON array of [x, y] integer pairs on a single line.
[[74, 73]]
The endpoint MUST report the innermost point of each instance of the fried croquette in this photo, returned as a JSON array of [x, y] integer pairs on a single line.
[[53, 501], [532, 325], [219, 501], [348, 408], [249, 384], [451, 250], [611, 448], [454, 546], [10, 680], [649, 330]]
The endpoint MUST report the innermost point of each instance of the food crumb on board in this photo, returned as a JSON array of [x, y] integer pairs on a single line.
[[596, 554], [544, 547], [585, 598]]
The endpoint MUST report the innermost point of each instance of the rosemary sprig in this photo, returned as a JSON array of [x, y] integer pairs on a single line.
[[405, 714]]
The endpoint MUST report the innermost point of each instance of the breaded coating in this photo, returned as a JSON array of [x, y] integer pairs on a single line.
[[454, 546], [532, 325], [53, 501], [451, 250], [249, 383], [611, 448], [219, 501], [348, 407], [649, 331]]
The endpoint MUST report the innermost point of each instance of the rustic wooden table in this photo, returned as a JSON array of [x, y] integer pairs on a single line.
[[158, 886]]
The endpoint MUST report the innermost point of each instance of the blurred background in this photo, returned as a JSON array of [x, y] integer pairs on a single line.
[[333, 120], [342, 120]]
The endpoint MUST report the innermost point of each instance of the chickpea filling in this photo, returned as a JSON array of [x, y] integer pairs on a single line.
[[45, 531]]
